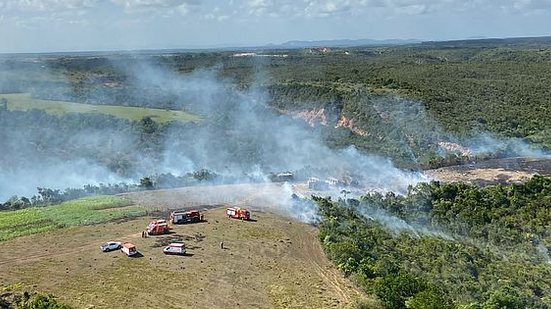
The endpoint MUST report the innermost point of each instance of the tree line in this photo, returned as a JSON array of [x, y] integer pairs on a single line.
[[446, 245]]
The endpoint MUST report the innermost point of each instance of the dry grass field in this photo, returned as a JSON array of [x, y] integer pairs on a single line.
[[270, 262]]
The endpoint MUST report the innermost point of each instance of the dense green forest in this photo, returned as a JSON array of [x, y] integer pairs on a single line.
[[441, 91], [446, 245]]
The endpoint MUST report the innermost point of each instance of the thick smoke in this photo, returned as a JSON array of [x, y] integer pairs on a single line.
[[544, 252], [56, 174], [242, 136], [398, 226], [488, 143], [41, 157], [239, 137], [408, 124]]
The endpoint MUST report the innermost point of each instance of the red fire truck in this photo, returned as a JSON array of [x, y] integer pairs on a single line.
[[238, 213]]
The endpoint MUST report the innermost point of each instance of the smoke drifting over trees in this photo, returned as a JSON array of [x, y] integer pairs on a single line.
[[239, 137]]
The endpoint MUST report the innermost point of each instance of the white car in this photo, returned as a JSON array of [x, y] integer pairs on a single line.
[[110, 246]]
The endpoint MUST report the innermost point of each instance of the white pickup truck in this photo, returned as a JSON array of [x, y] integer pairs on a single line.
[[110, 246]]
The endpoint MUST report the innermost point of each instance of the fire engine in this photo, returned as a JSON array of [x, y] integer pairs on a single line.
[[158, 227], [185, 216], [238, 213]]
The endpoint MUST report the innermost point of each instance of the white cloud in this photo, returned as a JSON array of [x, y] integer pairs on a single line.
[[218, 15], [184, 8], [332, 8], [136, 4], [59, 23], [329, 7], [66, 5], [413, 9], [531, 5], [280, 8], [47, 5], [164, 8]]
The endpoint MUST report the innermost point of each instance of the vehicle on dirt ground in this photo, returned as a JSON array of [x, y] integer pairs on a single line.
[[175, 248], [282, 177], [158, 227], [110, 246], [238, 213], [129, 249], [185, 216]]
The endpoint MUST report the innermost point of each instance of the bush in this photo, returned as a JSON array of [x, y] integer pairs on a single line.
[[395, 290]]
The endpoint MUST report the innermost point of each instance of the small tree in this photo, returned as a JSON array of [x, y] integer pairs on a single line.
[[428, 299], [146, 183], [394, 290]]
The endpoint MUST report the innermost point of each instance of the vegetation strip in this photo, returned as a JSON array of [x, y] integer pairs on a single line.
[[25, 101], [85, 211]]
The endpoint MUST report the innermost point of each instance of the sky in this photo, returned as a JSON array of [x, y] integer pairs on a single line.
[[87, 25]]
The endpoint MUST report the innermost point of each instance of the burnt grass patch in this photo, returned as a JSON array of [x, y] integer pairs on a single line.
[[166, 240]]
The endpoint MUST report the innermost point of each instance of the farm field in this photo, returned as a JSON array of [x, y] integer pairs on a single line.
[[85, 211], [272, 262], [25, 102]]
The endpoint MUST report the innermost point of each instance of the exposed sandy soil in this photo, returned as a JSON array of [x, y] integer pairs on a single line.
[[509, 170], [273, 262], [260, 195]]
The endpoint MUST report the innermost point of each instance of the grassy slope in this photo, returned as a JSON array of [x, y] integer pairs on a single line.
[[90, 210], [270, 263], [24, 101]]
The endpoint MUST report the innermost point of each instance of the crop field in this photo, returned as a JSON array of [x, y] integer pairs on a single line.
[[86, 211], [25, 102]]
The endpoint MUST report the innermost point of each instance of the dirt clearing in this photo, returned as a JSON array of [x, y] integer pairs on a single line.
[[273, 262], [508, 170]]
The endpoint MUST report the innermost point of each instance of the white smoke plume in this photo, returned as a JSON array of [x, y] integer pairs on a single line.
[[240, 136], [488, 143], [398, 226], [544, 252], [408, 124]]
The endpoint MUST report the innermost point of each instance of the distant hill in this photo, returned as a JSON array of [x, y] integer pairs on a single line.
[[490, 42], [343, 43]]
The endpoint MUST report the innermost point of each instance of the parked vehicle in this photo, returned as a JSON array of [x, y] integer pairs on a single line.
[[129, 249], [282, 177], [185, 216], [158, 227], [175, 248], [110, 246], [238, 213]]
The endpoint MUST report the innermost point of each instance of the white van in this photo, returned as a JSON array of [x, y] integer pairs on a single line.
[[129, 249]]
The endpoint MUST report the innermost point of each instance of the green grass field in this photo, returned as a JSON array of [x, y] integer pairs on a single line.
[[24, 102], [85, 211]]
